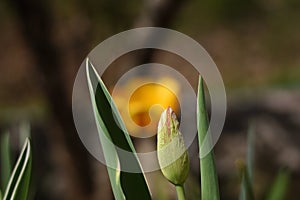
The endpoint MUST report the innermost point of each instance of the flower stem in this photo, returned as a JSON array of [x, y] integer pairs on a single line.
[[180, 192]]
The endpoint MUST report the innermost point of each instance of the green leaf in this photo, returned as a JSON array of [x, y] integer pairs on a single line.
[[5, 160], [280, 186], [18, 185], [246, 186], [250, 160], [251, 151], [125, 185], [209, 178]]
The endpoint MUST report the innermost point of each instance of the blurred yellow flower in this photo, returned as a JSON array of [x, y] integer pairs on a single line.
[[142, 108]]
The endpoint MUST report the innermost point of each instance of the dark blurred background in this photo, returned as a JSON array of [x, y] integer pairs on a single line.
[[255, 44]]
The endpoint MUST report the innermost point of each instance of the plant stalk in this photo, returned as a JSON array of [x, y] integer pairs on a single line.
[[180, 192]]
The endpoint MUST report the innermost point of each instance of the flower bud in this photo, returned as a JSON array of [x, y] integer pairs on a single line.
[[171, 151]]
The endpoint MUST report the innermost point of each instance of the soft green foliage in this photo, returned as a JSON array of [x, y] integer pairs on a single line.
[[246, 172], [18, 185], [170, 146], [5, 160], [251, 151], [209, 178], [125, 185], [247, 188], [280, 186]]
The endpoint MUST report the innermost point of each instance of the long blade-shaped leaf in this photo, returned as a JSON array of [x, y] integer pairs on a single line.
[[125, 185], [246, 185], [251, 151], [209, 178], [250, 164], [18, 185], [5, 160]]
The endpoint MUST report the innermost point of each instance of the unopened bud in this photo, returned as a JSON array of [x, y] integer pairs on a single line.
[[172, 153]]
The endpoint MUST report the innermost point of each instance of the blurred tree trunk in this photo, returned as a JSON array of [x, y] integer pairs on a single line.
[[37, 26], [157, 14]]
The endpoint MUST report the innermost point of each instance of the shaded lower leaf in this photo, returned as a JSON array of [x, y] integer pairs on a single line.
[[250, 159], [18, 185], [5, 160], [280, 186], [114, 139], [246, 186], [251, 151]]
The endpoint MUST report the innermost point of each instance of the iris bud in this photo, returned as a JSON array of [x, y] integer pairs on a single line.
[[171, 151]]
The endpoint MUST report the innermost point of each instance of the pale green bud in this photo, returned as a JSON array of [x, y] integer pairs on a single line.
[[171, 151]]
